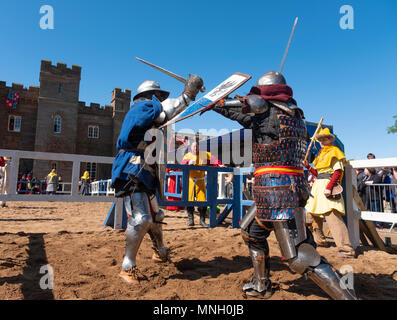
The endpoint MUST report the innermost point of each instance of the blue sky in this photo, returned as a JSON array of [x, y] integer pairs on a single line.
[[347, 76]]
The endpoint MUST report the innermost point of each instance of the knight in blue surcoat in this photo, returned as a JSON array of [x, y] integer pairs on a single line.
[[134, 179]]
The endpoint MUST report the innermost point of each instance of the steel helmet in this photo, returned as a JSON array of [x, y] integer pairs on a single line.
[[151, 86], [271, 77]]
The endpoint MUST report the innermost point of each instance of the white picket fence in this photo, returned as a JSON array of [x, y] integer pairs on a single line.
[[352, 211]]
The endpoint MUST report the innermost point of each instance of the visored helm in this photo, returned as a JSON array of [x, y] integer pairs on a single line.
[[150, 87], [271, 77]]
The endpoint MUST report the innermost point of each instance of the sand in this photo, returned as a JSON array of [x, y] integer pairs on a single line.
[[205, 263]]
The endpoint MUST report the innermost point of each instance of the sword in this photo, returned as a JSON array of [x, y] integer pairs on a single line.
[[287, 48], [314, 138], [171, 74]]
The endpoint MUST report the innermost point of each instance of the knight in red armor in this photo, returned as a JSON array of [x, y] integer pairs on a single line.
[[280, 189]]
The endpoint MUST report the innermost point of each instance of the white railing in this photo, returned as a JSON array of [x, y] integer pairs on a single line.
[[64, 188], [353, 213], [102, 187], [73, 196]]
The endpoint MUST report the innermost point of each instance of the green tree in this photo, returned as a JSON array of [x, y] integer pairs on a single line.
[[393, 128]]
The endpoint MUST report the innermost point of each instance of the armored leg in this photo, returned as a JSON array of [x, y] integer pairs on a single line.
[[138, 224], [260, 286], [255, 236], [156, 232], [303, 258]]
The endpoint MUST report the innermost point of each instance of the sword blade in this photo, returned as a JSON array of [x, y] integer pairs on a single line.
[[289, 43], [171, 74]]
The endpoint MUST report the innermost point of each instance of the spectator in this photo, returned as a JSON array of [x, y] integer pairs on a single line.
[[4, 176], [85, 184], [35, 186], [361, 177], [44, 185], [29, 186], [52, 182], [371, 194], [393, 195], [229, 185], [385, 190], [371, 156], [328, 169], [60, 185], [250, 182], [22, 185], [197, 180]]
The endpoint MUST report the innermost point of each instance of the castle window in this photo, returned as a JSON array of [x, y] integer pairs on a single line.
[[93, 132], [91, 168], [14, 123], [57, 124], [60, 88]]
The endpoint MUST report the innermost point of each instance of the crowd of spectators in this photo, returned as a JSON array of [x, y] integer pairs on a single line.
[[372, 186]]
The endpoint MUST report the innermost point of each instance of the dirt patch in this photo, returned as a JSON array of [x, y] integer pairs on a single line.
[[205, 263]]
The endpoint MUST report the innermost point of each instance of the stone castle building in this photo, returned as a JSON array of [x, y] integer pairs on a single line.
[[50, 118]]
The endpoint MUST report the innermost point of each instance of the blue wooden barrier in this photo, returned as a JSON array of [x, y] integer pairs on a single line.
[[237, 204], [109, 221]]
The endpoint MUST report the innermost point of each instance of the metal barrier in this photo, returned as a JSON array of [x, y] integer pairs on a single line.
[[381, 198]]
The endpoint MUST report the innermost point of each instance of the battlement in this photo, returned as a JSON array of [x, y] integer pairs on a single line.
[[28, 92], [94, 108], [60, 69], [120, 94]]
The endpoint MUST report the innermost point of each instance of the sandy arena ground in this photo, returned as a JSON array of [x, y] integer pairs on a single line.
[[206, 263]]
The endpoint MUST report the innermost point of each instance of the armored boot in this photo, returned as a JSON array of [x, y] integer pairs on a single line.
[[156, 235], [260, 286], [298, 248], [137, 226], [330, 282], [190, 215], [203, 212]]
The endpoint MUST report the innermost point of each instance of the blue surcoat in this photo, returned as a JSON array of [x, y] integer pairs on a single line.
[[137, 121]]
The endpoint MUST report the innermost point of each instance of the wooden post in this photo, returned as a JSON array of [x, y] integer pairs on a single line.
[[352, 218], [212, 186], [237, 198], [75, 178], [12, 187]]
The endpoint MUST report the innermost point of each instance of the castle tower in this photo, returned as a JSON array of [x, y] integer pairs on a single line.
[[121, 105], [56, 128]]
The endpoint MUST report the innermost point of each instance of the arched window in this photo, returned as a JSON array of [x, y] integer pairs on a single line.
[[57, 124]]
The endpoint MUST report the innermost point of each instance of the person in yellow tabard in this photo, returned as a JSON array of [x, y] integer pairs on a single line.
[[328, 170], [197, 180]]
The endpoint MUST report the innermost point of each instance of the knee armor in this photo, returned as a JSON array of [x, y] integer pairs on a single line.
[[137, 225]]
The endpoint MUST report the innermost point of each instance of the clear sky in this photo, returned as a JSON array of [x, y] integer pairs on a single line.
[[347, 76]]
